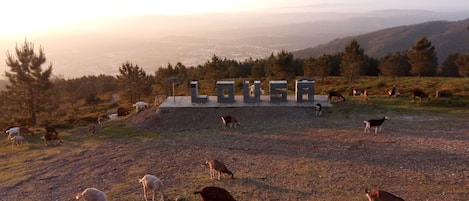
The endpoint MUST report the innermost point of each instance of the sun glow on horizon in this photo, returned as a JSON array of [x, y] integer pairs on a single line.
[[20, 16]]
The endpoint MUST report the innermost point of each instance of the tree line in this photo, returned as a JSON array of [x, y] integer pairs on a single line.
[[32, 92]]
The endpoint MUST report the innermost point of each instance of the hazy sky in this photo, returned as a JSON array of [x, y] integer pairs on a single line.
[[20, 16]]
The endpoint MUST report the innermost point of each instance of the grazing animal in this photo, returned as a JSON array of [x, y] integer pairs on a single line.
[[12, 130], [92, 127], [113, 116], [393, 92], [377, 123], [92, 194], [379, 195], [101, 120], [357, 91], [365, 96], [51, 135], [159, 99], [139, 106], [50, 129], [217, 166], [153, 184], [252, 90], [229, 120], [418, 93], [24, 130], [17, 140], [318, 109], [122, 112], [212, 193], [337, 95]]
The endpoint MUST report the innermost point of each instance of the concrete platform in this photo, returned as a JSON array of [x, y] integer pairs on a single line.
[[185, 101]]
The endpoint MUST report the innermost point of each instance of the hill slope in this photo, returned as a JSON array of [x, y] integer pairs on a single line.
[[447, 37]]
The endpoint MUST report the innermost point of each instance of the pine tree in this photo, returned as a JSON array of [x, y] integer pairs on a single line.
[[422, 58], [394, 64], [283, 67], [449, 67], [463, 64], [135, 84], [29, 92], [351, 65]]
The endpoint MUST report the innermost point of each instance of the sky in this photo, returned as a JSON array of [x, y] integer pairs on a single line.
[[20, 16]]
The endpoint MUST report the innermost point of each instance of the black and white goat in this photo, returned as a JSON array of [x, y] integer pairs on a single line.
[[377, 123], [318, 109]]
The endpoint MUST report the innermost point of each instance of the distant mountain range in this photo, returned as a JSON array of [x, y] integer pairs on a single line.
[[100, 47], [447, 37]]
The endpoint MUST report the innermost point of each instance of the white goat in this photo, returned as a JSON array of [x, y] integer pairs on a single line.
[[18, 140], [92, 194], [113, 116], [140, 106], [252, 89], [153, 184], [13, 130]]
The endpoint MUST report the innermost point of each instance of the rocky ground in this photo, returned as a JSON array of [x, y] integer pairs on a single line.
[[275, 154]]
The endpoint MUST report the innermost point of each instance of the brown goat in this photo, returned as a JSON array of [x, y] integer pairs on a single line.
[[213, 193], [229, 120], [218, 167], [92, 127], [50, 129], [418, 93], [122, 112], [24, 130], [51, 135], [379, 195], [337, 95]]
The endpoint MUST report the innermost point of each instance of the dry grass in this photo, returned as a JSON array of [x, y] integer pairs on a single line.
[[276, 154]]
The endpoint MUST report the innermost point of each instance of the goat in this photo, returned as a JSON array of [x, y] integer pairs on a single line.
[[337, 96], [113, 116], [229, 120], [92, 127], [365, 96], [122, 112], [217, 166], [318, 109], [139, 106], [212, 193], [92, 194], [51, 135], [101, 120], [374, 123], [12, 130], [379, 195], [17, 140], [50, 129], [153, 184], [393, 92], [357, 91], [420, 94], [24, 130], [252, 90]]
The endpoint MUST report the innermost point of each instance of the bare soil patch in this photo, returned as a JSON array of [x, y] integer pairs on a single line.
[[276, 154]]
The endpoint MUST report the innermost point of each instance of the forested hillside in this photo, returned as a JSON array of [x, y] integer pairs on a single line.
[[447, 37]]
